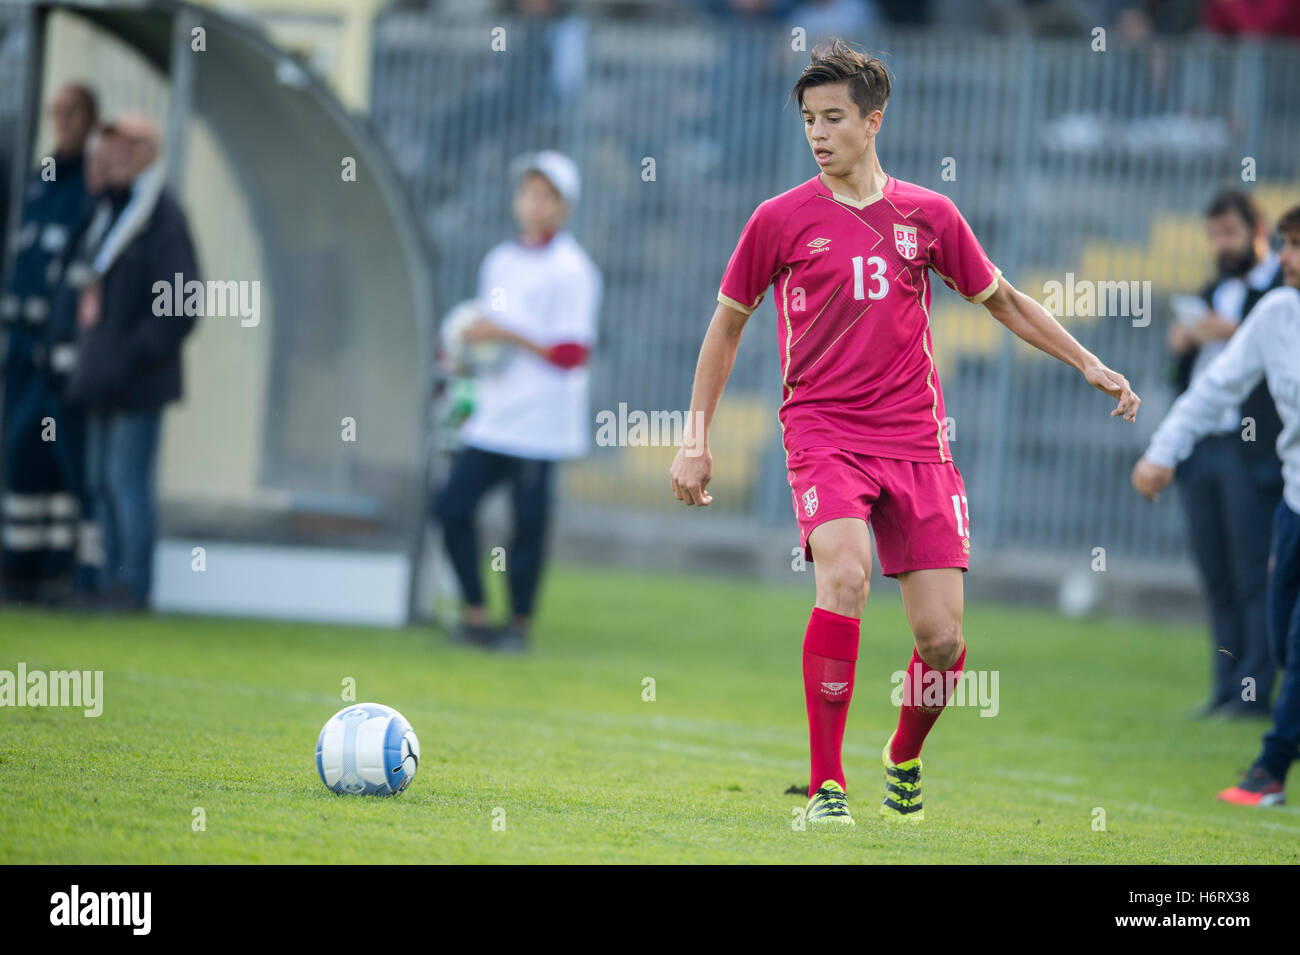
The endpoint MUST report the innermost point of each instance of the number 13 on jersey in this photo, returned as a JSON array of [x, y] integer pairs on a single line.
[[879, 284]]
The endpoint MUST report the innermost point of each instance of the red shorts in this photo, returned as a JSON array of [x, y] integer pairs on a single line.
[[917, 510]]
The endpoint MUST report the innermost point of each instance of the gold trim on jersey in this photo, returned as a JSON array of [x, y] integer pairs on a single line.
[[858, 204], [978, 298], [732, 303], [789, 331], [929, 375]]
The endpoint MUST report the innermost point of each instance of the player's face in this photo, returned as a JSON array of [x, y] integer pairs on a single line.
[[1289, 255], [538, 206], [1233, 244], [837, 134]]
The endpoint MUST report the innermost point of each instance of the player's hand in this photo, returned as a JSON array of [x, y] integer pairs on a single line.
[[690, 475], [1149, 478], [1117, 386]]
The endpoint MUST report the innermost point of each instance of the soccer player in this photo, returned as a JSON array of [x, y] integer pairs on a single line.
[[862, 410], [1266, 347]]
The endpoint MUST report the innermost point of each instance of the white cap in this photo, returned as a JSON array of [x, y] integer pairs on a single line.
[[558, 169]]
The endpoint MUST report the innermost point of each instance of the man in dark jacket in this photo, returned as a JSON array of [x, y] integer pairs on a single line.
[[1232, 483], [42, 434], [129, 353]]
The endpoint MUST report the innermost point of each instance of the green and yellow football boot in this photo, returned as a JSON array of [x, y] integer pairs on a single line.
[[828, 806], [902, 788]]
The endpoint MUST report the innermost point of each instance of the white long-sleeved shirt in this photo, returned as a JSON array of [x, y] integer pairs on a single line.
[[1267, 346], [1227, 301], [549, 294]]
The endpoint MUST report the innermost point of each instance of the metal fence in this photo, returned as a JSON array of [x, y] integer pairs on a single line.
[[1065, 160]]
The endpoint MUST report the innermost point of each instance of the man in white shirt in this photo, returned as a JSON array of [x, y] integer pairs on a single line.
[[1267, 347], [1230, 484], [539, 294]]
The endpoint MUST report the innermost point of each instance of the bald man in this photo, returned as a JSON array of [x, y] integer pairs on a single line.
[[128, 364]]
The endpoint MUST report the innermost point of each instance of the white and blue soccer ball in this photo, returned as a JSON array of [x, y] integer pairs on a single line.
[[480, 358], [367, 749]]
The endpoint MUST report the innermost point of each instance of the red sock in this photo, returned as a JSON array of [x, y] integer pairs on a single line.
[[830, 648], [914, 721]]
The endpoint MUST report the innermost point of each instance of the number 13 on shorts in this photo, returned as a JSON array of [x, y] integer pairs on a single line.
[[960, 509]]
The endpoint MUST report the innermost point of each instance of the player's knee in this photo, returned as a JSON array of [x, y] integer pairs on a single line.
[[846, 586], [939, 642]]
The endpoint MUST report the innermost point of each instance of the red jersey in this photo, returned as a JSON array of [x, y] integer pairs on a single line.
[[853, 309]]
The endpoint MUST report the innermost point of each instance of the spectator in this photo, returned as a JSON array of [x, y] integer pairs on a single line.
[[41, 448], [70, 449], [1266, 349], [542, 292], [128, 364], [1230, 487]]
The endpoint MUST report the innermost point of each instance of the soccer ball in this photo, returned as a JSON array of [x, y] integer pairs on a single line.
[[477, 359], [367, 749]]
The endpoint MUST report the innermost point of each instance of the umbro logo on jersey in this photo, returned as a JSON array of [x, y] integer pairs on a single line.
[[905, 240], [810, 501], [834, 689], [819, 245]]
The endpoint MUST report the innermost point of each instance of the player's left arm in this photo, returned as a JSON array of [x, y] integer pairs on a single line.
[[1031, 322]]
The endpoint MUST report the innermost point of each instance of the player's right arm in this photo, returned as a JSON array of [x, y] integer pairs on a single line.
[[693, 466], [749, 274]]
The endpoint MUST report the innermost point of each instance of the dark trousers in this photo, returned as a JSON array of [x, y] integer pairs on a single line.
[[1229, 502], [1281, 742], [44, 469], [474, 472], [121, 454]]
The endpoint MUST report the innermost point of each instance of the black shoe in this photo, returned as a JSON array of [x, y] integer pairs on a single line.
[[511, 640], [474, 635]]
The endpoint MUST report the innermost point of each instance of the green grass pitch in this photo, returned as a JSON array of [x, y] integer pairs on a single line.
[[556, 757]]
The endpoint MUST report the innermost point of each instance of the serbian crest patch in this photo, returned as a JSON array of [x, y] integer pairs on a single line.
[[810, 501], [905, 240]]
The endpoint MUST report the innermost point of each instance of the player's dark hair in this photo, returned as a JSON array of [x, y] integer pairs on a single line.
[[1238, 201], [866, 74], [1290, 221]]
